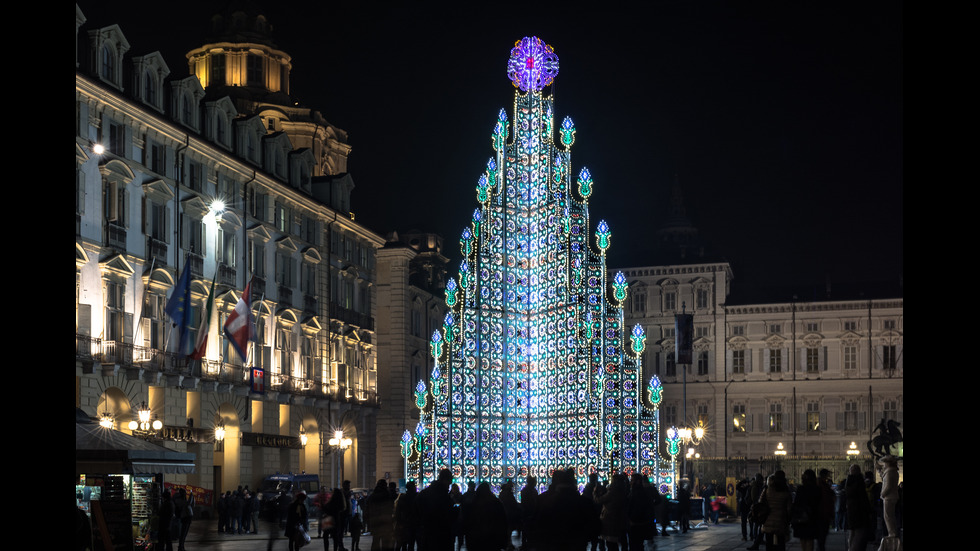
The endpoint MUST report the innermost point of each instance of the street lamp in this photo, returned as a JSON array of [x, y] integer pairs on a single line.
[[145, 426], [779, 449], [853, 450], [339, 442], [302, 436]]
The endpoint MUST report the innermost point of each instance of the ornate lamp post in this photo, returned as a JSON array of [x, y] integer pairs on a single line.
[[339, 442], [146, 424]]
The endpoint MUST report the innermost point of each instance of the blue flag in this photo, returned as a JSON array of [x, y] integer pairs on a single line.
[[179, 308]]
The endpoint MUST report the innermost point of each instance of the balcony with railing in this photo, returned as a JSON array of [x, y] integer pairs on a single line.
[[352, 317], [91, 352], [115, 236]]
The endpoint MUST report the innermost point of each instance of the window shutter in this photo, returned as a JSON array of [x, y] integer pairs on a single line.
[[823, 421], [823, 361], [766, 358], [128, 327], [85, 320]]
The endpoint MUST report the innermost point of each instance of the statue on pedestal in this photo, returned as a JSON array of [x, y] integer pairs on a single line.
[[889, 498]]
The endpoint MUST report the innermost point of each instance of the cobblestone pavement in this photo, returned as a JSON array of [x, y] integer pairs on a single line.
[[720, 537]]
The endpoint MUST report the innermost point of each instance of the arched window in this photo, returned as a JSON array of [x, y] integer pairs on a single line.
[[186, 103], [149, 88], [108, 63]]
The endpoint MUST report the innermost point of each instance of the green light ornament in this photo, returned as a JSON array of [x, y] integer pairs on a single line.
[[421, 396], [451, 290], [585, 183], [436, 345], [673, 441], [639, 340], [602, 236], [655, 391], [620, 287], [567, 132]]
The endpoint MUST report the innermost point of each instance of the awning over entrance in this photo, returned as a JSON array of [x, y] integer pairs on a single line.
[[95, 445]]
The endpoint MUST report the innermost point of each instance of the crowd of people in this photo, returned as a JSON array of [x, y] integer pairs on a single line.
[[618, 515], [615, 516], [772, 511]]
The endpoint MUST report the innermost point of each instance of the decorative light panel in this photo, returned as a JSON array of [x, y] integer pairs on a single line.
[[535, 370]]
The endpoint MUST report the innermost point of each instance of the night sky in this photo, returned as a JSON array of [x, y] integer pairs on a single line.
[[781, 120]]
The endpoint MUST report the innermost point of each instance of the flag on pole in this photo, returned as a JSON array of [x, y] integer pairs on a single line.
[[201, 345], [240, 325], [179, 308]]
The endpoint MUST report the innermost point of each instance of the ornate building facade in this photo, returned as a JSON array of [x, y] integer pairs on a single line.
[[221, 173], [769, 382]]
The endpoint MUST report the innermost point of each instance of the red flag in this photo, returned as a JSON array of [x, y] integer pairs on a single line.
[[240, 325]]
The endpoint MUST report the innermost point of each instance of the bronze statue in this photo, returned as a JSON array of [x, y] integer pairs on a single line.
[[887, 436]]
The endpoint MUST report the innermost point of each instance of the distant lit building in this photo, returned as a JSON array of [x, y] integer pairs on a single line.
[[411, 305], [807, 376], [146, 207]]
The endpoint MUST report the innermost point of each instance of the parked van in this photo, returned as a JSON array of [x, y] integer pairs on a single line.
[[277, 490]]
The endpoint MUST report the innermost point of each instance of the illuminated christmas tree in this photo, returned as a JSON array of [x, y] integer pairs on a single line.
[[534, 369]]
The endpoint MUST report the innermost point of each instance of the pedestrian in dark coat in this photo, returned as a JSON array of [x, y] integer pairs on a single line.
[[529, 505], [776, 526], [593, 489], [462, 511], [237, 512], [297, 517], [742, 500], [825, 509], [407, 518], [223, 511], [437, 514], [331, 511], [165, 517], [380, 517], [858, 510], [755, 493], [683, 507], [511, 507], [640, 512], [615, 521], [486, 529], [565, 517], [805, 510]]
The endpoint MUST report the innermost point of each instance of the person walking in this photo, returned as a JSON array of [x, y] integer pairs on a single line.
[[591, 491], [356, 527], [742, 497], [332, 510], [614, 519], [486, 529], [857, 517], [779, 499], [825, 509], [461, 511], [437, 514], [511, 507], [223, 512], [165, 522], [565, 517], [186, 512], [407, 519], [529, 504], [379, 511], [683, 508], [805, 510], [296, 518], [640, 512]]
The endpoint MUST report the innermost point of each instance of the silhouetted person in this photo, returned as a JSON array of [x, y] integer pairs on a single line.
[[486, 529], [379, 511], [407, 518], [437, 514], [564, 516], [529, 518]]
